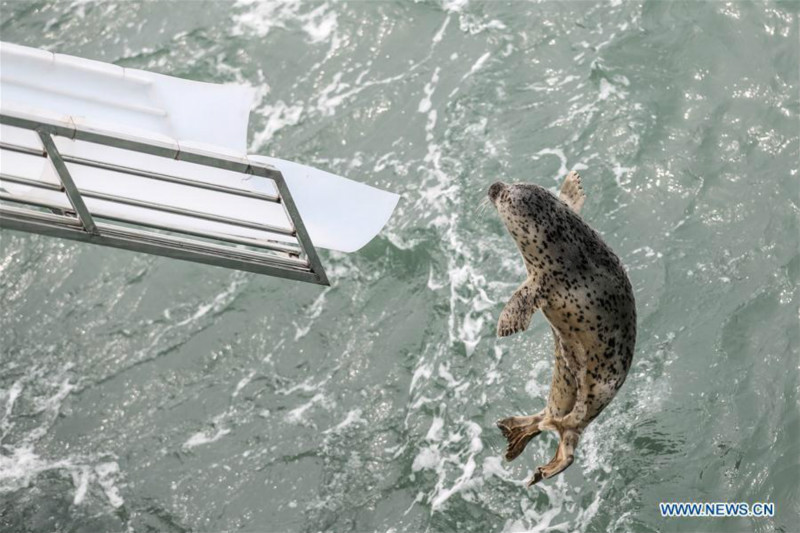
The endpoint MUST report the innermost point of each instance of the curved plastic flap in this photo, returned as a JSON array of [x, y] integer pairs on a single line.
[[339, 214]]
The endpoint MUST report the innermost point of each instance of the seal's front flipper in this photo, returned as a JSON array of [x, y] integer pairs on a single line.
[[517, 313], [572, 192]]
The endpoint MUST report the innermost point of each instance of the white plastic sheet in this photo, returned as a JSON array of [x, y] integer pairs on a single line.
[[339, 214]]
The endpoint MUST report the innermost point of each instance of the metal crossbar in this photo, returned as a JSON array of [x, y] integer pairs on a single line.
[[297, 261]]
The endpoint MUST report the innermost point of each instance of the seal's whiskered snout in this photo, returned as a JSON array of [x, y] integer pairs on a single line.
[[495, 190], [483, 205]]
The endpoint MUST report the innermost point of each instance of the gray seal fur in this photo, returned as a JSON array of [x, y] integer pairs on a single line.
[[585, 294]]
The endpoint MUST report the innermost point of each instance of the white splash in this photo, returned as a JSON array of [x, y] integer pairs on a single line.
[[353, 418], [425, 104], [243, 383], [205, 437], [106, 475], [20, 464], [478, 65], [279, 115], [298, 414], [559, 153]]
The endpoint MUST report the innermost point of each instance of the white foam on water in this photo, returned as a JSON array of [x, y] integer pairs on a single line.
[[561, 499], [320, 24], [106, 475], [393, 161], [471, 330], [313, 313], [80, 478], [608, 89], [454, 6], [475, 67], [559, 153], [425, 104], [536, 387], [322, 103], [435, 431], [465, 480], [10, 397], [308, 385], [21, 464], [588, 512], [279, 115], [333, 95], [422, 371], [440, 33], [353, 418], [205, 437], [197, 320], [338, 92], [478, 65], [298, 414], [622, 175], [20, 469], [648, 252], [451, 446], [492, 468], [263, 16], [428, 458], [220, 301], [243, 383]]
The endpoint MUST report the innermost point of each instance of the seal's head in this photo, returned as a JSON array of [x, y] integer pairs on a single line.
[[518, 201], [528, 211], [495, 190]]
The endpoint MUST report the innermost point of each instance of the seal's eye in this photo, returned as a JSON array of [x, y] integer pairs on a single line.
[[495, 190]]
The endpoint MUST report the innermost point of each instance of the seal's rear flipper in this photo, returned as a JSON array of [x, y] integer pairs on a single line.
[[517, 313], [519, 430], [572, 191], [564, 457]]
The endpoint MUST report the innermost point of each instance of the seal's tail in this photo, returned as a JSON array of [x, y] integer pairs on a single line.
[[519, 430]]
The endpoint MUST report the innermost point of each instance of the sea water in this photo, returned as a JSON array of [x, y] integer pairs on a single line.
[[141, 393]]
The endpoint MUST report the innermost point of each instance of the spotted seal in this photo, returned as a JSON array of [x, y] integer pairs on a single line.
[[582, 288]]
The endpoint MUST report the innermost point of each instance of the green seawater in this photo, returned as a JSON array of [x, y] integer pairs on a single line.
[[145, 394]]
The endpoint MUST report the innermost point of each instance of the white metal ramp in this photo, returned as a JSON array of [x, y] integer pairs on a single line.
[[89, 185], [132, 159]]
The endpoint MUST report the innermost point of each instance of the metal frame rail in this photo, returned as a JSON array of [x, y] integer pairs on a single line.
[[263, 256]]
